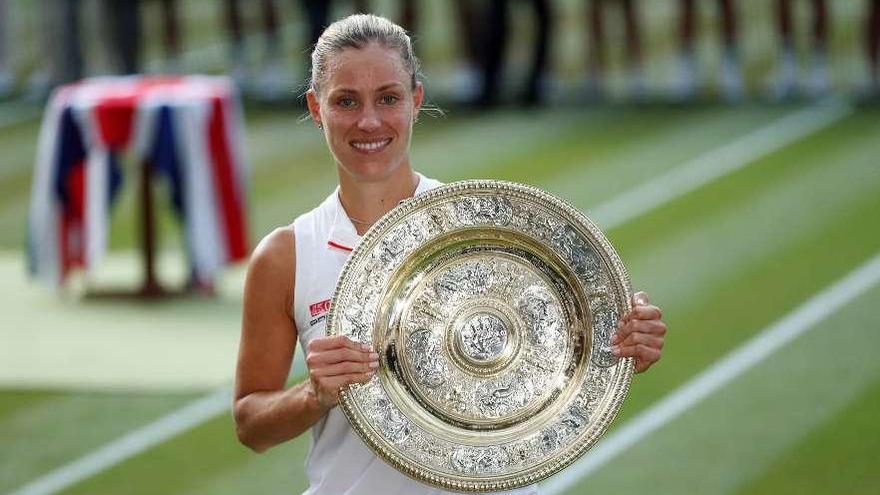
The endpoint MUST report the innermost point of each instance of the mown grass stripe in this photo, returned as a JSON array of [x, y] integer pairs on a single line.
[[131, 444], [719, 162], [813, 465], [139, 440], [135, 443], [763, 345]]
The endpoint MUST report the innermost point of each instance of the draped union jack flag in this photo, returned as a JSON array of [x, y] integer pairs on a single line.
[[188, 129]]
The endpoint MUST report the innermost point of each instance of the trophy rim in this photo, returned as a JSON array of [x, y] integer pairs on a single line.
[[619, 384]]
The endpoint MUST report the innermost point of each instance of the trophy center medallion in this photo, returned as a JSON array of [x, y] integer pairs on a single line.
[[482, 338]]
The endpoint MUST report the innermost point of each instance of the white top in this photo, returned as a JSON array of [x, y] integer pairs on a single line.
[[339, 463]]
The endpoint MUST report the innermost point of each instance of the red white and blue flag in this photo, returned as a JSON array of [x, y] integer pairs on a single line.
[[188, 129]]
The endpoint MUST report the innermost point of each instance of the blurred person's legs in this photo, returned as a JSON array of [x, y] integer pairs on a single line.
[[60, 56], [237, 53], [46, 73], [495, 47], [872, 33], [171, 36], [124, 20], [596, 62], [786, 84], [467, 76], [731, 71], [317, 13], [786, 78], [730, 76], [360, 6], [409, 15], [275, 80], [634, 67], [687, 70], [7, 80], [536, 80], [819, 76]]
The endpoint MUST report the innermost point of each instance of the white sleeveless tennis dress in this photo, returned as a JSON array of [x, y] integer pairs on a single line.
[[339, 463]]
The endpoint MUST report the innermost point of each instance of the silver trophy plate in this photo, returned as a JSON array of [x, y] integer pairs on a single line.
[[492, 306]]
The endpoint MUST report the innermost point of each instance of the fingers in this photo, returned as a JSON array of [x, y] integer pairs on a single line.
[[324, 358], [628, 327], [336, 342], [346, 368], [641, 334], [644, 312], [324, 351], [641, 298], [644, 354], [647, 339]]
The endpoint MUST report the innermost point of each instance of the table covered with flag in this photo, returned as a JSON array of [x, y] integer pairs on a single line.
[[189, 132]]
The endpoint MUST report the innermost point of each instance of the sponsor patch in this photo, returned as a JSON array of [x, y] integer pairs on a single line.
[[319, 307], [317, 320]]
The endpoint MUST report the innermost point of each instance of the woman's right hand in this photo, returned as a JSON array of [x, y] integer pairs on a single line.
[[335, 362]]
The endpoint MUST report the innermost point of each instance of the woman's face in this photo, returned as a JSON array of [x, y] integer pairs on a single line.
[[367, 107]]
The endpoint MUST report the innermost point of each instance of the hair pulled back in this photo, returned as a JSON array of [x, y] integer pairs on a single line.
[[358, 31]]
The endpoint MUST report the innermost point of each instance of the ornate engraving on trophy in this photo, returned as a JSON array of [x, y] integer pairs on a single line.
[[493, 305]]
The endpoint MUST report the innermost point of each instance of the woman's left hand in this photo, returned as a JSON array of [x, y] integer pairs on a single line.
[[641, 333]]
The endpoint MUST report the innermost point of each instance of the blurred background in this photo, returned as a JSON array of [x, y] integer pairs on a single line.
[[728, 149]]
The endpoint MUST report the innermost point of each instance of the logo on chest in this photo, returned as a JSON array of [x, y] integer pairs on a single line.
[[318, 311]]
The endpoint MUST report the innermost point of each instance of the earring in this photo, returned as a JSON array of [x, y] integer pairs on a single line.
[[319, 125]]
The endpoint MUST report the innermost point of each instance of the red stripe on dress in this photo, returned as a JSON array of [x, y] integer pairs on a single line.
[[339, 246], [225, 183]]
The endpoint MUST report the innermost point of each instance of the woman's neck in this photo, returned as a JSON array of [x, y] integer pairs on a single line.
[[366, 202]]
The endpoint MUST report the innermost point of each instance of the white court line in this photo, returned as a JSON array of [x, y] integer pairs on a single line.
[[652, 194], [734, 364], [139, 440], [131, 444], [719, 162]]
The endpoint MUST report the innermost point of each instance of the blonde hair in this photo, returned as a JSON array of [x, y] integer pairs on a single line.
[[357, 31]]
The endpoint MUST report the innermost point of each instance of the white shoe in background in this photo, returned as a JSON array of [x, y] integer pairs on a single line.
[[731, 80], [7, 84], [686, 83], [785, 86], [818, 85]]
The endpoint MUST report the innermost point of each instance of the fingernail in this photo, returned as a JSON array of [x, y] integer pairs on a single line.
[[374, 356], [374, 364]]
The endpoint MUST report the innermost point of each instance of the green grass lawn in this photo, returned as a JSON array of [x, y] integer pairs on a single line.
[[724, 261]]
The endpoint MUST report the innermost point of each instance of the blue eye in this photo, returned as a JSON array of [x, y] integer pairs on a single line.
[[346, 102]]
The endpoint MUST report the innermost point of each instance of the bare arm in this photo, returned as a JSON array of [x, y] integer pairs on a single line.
[[267, 414]]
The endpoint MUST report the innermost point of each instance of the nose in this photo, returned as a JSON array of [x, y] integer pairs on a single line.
[[368, 120]]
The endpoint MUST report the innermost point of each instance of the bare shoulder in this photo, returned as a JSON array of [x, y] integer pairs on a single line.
[[278, 247], [272, 264]]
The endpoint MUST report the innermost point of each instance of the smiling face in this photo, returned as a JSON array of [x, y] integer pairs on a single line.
[[367, 106]]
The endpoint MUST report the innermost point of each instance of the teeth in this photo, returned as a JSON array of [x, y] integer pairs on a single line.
[[370, 146]]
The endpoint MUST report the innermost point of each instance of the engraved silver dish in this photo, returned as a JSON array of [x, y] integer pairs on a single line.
[[492, 305]]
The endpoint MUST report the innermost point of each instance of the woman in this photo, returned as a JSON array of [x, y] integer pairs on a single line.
[[365, 95]]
